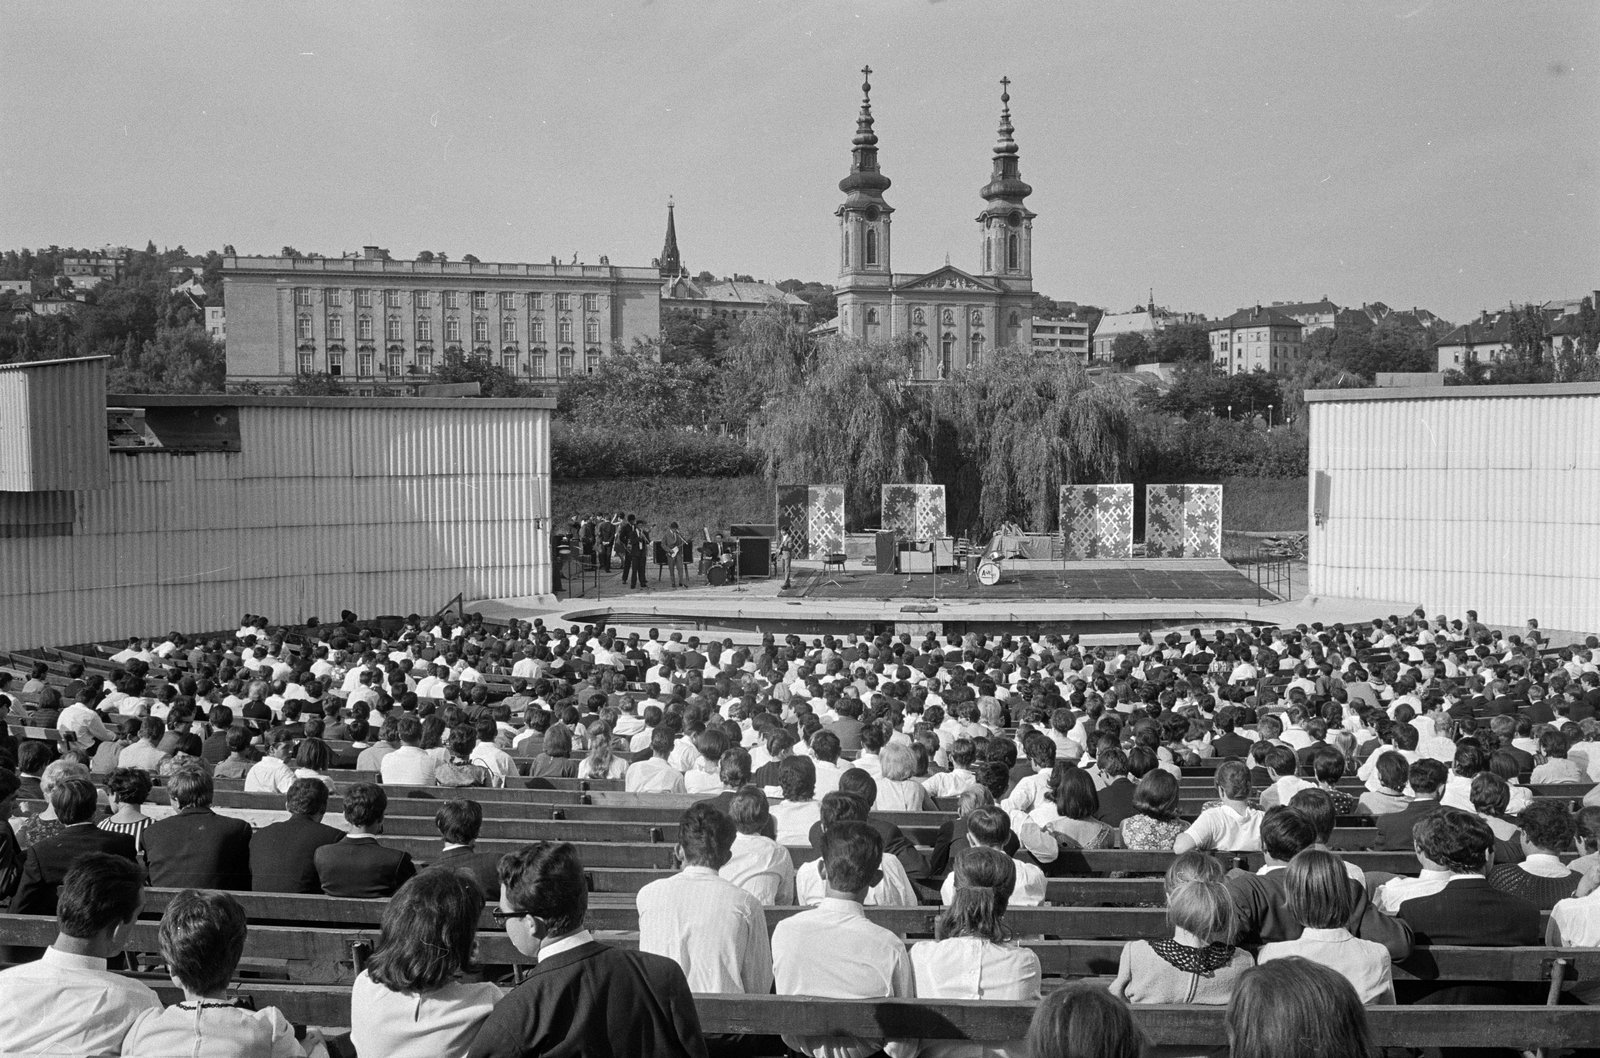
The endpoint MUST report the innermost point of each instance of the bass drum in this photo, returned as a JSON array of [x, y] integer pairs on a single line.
[[989, 574], [718, 576]]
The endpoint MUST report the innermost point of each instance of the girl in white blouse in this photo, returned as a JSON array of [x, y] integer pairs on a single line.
[[972, 957]]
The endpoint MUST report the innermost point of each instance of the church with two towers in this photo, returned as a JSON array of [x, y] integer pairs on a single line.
[[958, 318]]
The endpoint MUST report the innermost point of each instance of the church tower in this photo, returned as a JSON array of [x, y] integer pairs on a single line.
[[864, 215], [1006, 223], [670, 263]]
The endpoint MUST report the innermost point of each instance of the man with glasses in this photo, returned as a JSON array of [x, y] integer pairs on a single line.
[[583, 996]]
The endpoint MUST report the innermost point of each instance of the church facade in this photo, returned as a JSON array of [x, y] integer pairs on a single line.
[[957, 318]]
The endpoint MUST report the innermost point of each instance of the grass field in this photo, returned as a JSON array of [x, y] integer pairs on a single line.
[[1260, 505]]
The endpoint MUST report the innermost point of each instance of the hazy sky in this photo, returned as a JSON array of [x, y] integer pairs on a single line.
[[1443, 154]]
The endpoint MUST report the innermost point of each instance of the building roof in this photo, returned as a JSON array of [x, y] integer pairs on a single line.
[[1305, 308], [1257, 316], [730, 291]]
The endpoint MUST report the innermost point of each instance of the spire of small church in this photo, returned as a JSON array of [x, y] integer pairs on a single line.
[[1006, 180], [671, 264], [864, 172]]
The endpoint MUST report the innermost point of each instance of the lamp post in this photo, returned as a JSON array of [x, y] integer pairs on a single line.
[[1269, 418], [1230, 412]]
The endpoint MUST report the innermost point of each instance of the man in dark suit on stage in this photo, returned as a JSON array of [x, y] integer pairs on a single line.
[[283, 855], [47, 863], [583, 997], [196, 848], [459, 822], [357, 865], [1427, 778]]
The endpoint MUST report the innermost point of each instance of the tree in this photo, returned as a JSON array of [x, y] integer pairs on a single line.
[[178, 360], [1130, 348], [318, 384], [493, 380], [1181, 343], [634, 391], [425, 256], [290, 251], [469, 259]]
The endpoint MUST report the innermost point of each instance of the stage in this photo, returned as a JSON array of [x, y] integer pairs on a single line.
[[1177, 580]]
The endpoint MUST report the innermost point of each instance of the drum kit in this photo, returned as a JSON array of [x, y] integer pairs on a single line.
[[724, 569]]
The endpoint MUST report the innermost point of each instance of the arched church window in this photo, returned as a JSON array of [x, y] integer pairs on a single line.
[[947, 354], [975, 351], [1013, 252], [872, 246]]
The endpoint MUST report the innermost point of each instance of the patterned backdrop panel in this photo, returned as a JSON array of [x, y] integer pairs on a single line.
[[793, 519], [825, 520], [1183, 521], [916, 512], [1097, 521]]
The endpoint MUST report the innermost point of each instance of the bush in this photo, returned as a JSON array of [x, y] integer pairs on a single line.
[[593, 452], [1210, 449]]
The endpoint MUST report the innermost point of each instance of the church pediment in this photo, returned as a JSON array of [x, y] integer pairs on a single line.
[[948, 278]]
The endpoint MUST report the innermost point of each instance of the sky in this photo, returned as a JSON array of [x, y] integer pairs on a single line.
[[1438, 154]]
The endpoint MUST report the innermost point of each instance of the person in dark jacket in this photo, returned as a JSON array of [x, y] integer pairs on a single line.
[[357, 865], [459, 822], [47, 863], [196, 848], [583, 997], [1427, 779], [283, 855]]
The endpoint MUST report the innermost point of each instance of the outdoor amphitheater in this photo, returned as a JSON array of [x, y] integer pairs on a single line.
[[374, 568]]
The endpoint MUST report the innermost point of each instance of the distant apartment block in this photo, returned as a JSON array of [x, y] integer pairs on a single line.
[[1489, 337], [1067, 336], [1255, 339], [371, 319], [217, 323]]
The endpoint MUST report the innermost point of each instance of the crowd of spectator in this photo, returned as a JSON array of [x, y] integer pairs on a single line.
[[1438, 731]]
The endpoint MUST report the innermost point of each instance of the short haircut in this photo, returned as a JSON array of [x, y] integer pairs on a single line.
[[706, 836], [1317, 806], [1233, 780], [202, 938], [798, 778], [1546, 824], [364, 804], [825, 744], [899, 762], [98, 892], [547, 880], [1204, 908], [1285, 831], [749, 810], [1317, 890], [190, 787], [1459, 841], [428, 931], [1426, 775], [1281, 760], [238, 738], [459, 821], [1278, 1006], [989, 825], [852, 852], [1490, 794], [733, 768], [1079, 1021], [73, 800], [661, 740], [307, 797], [1469, 760], [408, 729], [1392, 770], [131, 785], [859, 782], [839, 807], [1328, 765]]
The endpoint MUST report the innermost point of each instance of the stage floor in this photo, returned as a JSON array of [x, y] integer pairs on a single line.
[[1221, 582]]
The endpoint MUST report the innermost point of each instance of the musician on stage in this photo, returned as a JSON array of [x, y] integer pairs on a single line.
[[641, 549], [678, 548]]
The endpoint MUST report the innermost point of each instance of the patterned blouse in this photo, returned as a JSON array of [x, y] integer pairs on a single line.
[[1147, 832]]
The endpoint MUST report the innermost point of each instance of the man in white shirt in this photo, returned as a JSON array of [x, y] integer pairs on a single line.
[[85, 724], [410, 765], [832, 951], [272, 773], [893, 888], [825, 754], [655, 775], [133, 651], [490, 756], [712, 928], [757, 863], [67, 1003]]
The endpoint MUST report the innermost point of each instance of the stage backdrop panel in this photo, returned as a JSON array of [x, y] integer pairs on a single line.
[[1097, 521], [1183, 521], [824, 520], [794, 519], [915, 512]]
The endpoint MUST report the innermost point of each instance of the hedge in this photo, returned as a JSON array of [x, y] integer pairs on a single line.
[[593, 452]]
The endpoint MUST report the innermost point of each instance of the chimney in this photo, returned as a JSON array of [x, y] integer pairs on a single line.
[[372, 253]]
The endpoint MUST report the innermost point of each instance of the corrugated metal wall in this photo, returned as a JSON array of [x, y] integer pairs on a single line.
[[377, 510], [1489, 503], [52, 425]]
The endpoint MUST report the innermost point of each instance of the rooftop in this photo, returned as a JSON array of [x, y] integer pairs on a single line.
[[323, 266]]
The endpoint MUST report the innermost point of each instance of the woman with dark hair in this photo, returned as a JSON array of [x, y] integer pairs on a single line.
[[1490, 798], [128, 788], [1070, 812], [312, 760], [1084, 1021], [794, 816], [1294, 1006], [460, 770], [972, 956], [556, 761], [1155, 823], [409, 1001], [189, 752]]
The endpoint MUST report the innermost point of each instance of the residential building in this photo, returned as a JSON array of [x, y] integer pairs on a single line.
[[1066, 335], [956, 317], [372, 319], [22, 288], [1311, 314], [1258, 339], [217, 323], [91, 269], [54, 304], [1146, 321], [1489, 336]]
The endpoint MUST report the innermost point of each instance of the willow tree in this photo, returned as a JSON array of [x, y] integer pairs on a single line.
[[850, 418], [1026, 425]]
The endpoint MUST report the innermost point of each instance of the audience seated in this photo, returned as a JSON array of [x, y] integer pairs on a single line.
[[283, 855], [196, 848], [583, 997], [1295, 1006], [756, 862], [1451, 902], [893, 888], [1084, 1021], [1317, 893], [458, 822], [47, 863], [1426, 778], [357, 865], [798, 811], [1231, 826], [989, 827], [1547, 831], [67, 1002], [413, 999]]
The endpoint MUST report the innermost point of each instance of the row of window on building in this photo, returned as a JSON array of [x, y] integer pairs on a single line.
[[394, 330], [333, 297], [366, 363]]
